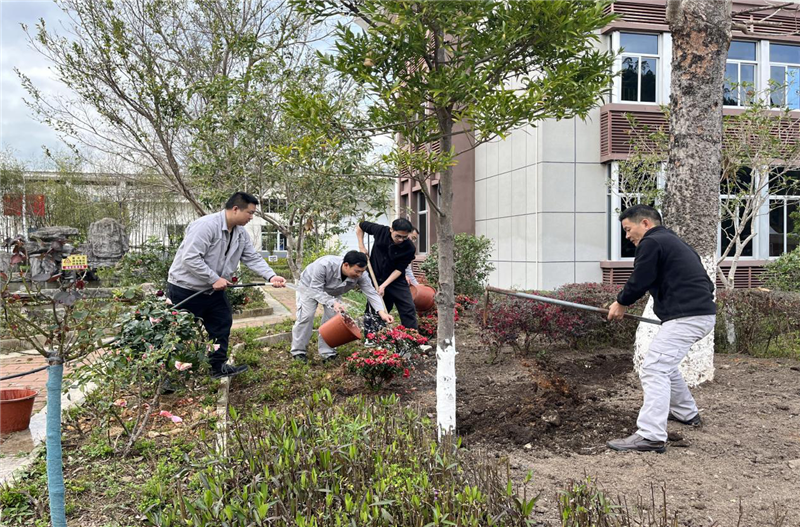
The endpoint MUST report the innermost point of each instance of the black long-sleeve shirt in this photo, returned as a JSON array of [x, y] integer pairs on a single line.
[[672, 272], [385, 255]]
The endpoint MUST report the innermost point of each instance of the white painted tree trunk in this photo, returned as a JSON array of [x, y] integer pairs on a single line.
[[446, 386], [698, 366]]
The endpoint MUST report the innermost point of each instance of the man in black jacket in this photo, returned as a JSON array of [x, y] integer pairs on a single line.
[[392, 253], [683, 296]]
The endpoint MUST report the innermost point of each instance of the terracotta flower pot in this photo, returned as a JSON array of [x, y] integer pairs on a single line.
[[16, 405], [423, 296], [339, 330]]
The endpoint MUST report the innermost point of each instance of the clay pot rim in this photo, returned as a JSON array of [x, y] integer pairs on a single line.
[[33, 393]]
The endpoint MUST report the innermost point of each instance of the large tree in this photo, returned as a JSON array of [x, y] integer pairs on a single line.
[[435, 70], [194, 91]]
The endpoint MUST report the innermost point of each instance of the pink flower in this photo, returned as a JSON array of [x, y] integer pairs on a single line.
[[216, 347], [406, 373], [370, 336], [174, 312], [154, 321], [122, 403], [173, 418], [182, 366], [168, 301], [159, 293]]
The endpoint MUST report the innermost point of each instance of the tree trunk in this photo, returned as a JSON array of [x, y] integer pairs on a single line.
[[55, 469], [701, 34], [445, 297]]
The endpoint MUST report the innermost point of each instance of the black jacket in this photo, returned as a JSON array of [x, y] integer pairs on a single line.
[[387, 256], [666, 266]]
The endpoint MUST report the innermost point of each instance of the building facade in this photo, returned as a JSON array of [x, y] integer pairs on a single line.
[[545, 195]]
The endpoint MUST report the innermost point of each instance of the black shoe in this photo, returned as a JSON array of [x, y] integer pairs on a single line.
[[228, 371], [694, 422], [300, 358], [330, 360]]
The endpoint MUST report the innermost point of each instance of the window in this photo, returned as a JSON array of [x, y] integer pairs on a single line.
[[740, 74], [784, 216], [784, 75], [422, 223], [639, 186], [639, 67], [272, 239], [733, 210]]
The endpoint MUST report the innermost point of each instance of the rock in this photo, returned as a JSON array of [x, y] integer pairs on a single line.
[[794, 464], [108, 242], [528, 446], [51, 234], [5, 262]]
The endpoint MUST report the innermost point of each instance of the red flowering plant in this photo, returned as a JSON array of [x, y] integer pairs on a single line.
[[377, 366], [404, 341], [428, 322]]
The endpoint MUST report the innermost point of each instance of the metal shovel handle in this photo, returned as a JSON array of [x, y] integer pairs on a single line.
[[564, 303]]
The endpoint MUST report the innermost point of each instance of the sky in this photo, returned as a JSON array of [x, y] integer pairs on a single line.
[[19, 130]]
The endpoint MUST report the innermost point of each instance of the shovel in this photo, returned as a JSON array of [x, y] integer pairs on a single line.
[[548, 300]]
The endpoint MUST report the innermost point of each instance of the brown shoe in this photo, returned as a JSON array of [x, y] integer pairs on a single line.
[[636, 443], [694, 422]]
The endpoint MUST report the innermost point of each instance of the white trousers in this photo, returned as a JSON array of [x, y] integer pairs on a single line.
[[664, 388], [304, 326]]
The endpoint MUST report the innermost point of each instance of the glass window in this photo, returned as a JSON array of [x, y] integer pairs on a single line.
[[784, 214], [784, 53], [639, 43], [422, 223], [784, 74], [742, 50], [639, 80], [740, 74]]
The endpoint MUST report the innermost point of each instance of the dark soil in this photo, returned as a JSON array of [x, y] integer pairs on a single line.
[[552, 416]]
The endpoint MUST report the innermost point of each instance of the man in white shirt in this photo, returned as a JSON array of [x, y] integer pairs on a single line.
[[208, 257], [324, 281]]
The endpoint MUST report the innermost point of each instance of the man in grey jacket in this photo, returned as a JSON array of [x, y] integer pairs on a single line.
[[324, 282], [207, 259]]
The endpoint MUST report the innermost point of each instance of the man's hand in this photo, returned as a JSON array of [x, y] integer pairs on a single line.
[[339, 308], [386, 317], [616, 311], [221, 284], [382, 289], [277, 281]]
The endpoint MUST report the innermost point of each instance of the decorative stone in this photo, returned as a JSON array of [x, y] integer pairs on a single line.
[[107, 241], [50, 234]]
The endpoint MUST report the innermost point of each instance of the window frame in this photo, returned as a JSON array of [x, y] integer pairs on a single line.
[[785, 66], [658, 69], [739, 62]]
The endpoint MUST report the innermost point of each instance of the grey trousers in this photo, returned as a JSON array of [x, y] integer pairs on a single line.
[[304, 326], [664, 388]]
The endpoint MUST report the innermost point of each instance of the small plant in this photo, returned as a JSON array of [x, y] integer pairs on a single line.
[[149, 264], [472, 266], [401, 340], [377, 366]]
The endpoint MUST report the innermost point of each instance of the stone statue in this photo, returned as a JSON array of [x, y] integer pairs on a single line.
[[107, 243]]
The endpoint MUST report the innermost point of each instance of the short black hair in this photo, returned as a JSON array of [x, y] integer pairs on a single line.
[[241, 200], [402, 224], [355, 258], [639, 212], [414, 229]]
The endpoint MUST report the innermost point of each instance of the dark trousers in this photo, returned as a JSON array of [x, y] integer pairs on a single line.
[[217, 316], [397, 294]]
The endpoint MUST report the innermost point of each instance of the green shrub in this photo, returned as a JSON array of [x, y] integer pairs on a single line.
[[765, 322], [472, 265], [149, 264], [784, 272], [315, 249], [361, 461]]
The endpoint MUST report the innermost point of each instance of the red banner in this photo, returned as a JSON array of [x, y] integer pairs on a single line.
[[12, 205]]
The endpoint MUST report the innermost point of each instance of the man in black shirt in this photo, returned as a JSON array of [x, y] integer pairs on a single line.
[[392, 252], [683, 297]]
